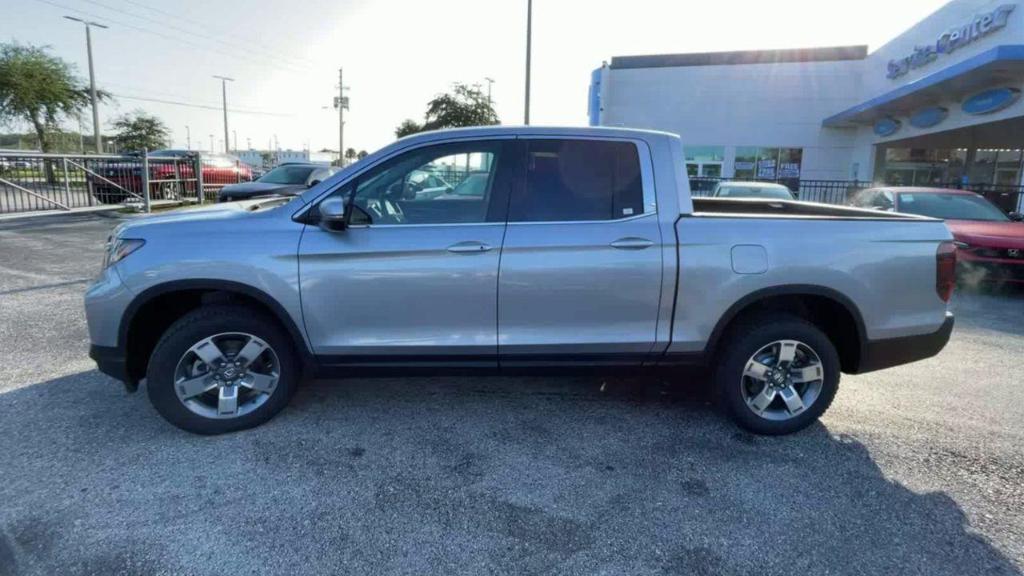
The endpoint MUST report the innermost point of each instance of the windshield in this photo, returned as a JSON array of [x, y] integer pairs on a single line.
[[777, 192], [950, 206], [287, 175]]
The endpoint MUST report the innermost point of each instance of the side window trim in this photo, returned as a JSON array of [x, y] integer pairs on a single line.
[[646, 175]]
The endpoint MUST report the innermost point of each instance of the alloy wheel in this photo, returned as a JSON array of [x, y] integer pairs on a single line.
[[782, 380], [227, 375]]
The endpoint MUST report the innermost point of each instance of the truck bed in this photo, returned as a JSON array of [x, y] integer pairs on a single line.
[[754, 207]]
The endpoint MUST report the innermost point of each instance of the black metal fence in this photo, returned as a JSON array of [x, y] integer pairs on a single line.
[[1006, 197], [40, 182]]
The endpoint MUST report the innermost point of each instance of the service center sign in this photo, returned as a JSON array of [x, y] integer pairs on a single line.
[[982, 25]]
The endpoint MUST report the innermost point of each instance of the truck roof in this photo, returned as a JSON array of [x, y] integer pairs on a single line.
[[484, 131]]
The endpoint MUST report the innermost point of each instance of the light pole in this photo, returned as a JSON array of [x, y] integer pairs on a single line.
[[224, 95], [211, 144], [490, 82], [188, 137], [92, 80], [529, 34]]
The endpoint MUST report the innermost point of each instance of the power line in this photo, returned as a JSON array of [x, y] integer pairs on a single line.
[[150, 93], [202, 24], [201, 106], [177, 41], [205, 37]]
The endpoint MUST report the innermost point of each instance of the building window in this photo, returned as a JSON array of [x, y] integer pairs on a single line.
[[746, 162], [777, 164], [704, 161]]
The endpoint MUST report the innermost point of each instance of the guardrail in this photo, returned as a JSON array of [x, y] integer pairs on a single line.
[[32, 182]]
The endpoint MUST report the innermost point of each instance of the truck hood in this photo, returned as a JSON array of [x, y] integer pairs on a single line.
[[219, 212], [988, 234]]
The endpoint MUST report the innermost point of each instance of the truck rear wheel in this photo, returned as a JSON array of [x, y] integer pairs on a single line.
[[221, 368], [777, 374]]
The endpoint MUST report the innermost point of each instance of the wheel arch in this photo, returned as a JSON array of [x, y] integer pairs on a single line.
[[160, 305], [830, 310]]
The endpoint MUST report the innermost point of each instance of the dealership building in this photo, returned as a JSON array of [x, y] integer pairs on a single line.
[[939, 104]]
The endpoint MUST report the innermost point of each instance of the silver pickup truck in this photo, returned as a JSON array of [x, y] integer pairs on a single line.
[[540, 248]]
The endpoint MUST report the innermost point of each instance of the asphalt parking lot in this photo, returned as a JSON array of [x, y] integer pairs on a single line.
[[915, 470]]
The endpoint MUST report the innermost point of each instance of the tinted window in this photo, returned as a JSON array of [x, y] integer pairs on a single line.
[[572, 180], [950, 206], [409, 189]]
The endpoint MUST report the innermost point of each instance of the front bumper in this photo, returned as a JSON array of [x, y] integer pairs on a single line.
[[113, 362], [889, 352]]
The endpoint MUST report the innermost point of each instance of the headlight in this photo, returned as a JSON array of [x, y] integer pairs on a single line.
[[119, 248]]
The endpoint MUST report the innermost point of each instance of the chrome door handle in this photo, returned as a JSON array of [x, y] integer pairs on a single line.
[[469, 247], [632, 243]]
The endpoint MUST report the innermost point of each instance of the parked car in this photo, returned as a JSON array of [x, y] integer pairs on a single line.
[[425, 184], [287, 179], [115, 181], [737, 189], [990, 242], [585, 251]]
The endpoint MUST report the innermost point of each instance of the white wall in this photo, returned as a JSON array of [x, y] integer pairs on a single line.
[[742, 105], [783, 105]]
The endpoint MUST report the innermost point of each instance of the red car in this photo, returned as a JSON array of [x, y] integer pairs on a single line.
[[990, 243], [171, 172]]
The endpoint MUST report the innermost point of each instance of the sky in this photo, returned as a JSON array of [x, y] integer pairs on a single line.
[[398, 54]]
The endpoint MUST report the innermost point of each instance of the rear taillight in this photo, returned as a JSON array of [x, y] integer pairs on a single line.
[[945, 270]]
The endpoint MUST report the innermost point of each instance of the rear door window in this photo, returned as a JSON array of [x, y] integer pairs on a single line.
[[579, 180]]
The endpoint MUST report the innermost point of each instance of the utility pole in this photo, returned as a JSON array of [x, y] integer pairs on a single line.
[[529, 34], [341, 103], [248, 143], [224, 95], [92, 80], [490, 82], [188, 137]]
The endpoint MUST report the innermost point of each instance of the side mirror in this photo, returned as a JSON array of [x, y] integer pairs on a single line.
[[312, 183], [333, 217], [1016, 216]]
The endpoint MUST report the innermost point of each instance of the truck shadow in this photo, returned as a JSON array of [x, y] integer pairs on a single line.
[[457, 475]]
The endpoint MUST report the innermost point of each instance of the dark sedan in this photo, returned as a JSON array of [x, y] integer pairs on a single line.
[[286, 179]]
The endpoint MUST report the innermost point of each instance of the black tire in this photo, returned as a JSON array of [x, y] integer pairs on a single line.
[[203, 323], [746, 339]]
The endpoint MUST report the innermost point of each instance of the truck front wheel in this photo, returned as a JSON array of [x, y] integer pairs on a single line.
[[221, 368], [777, 374]]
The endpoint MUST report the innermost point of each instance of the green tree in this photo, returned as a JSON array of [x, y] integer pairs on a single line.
[[408, 127], [40, 90], [362, 154], [463, 106], [139, 131], [350, 154]]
